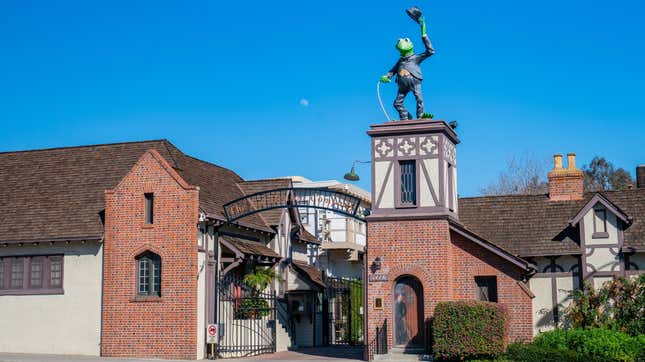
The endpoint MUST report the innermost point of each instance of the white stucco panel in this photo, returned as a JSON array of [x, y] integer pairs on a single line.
[[57, 324], [381, 183]]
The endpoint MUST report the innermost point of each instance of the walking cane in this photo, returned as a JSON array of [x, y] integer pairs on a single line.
[[380, 102]]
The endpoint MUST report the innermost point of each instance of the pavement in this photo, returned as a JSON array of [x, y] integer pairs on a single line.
[[321, 354]]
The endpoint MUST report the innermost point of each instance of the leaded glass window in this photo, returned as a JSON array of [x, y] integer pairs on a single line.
[[36, 272], [17, 270], [56, 271], [149, 274]]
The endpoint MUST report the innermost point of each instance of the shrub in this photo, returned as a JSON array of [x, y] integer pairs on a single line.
[[469, 330], [617, 305], [531, 353], [596, 344]]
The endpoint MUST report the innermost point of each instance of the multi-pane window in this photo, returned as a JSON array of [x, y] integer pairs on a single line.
[[149, 274], [36, 272], [408, 182], [55, 271], [600, 223], [17, 270], [42, 274], [150, 207], [486, 288]]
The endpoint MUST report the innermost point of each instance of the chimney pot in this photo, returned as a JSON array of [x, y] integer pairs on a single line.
[[557, 161], [565, 184], [640, 176], [571, 161]]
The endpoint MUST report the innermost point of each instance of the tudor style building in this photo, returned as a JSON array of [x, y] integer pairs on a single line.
[[114, 250], [527, 252]]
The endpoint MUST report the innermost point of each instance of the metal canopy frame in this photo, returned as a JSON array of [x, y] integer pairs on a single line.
[[294, 197]]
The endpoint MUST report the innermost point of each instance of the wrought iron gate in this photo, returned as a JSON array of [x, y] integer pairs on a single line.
[[343, 312], [247, 319]]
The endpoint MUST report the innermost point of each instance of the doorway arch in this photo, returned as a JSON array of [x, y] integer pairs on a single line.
[[408, 312]]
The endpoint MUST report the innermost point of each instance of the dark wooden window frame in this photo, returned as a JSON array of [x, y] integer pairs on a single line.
[[149, 208], [27, 286], [399, 184], [600, 233], [486, 288], [153, 278]]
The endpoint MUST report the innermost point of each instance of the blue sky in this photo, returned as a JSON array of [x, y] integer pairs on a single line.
[[225, 81]]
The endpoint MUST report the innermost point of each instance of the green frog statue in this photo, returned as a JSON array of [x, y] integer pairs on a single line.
[[408, 69]]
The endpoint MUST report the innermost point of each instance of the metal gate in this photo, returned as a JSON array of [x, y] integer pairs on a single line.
[[247, 319], [343, 311]]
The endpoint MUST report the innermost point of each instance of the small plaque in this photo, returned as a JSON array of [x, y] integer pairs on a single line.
[[378, 303], [377, 278]]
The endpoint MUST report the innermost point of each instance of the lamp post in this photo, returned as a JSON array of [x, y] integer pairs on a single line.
[[352, 175]]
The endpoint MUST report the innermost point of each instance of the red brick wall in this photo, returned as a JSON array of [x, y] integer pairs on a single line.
[[408, 247], [472, 260], [566, 185], [445, 264], [163, 327]]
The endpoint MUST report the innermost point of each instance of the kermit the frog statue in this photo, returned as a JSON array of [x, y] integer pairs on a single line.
[[408, 69]]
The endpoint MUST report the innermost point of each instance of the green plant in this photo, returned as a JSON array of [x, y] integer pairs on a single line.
[[252, 308], [469, 330], [617, 305], [527, 352], [595, 344], [260, 278]]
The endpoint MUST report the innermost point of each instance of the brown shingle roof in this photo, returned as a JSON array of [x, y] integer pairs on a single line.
[[249, 247], [59, 193], [309, 272], [307, 236], [532, 225]]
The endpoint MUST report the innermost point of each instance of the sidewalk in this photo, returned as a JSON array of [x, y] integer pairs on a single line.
[[321, 354]]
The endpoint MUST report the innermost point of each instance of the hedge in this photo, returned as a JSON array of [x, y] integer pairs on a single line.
[[595, 344], [469, 330]]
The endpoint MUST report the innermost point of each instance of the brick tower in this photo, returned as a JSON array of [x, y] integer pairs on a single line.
[[414, 199]]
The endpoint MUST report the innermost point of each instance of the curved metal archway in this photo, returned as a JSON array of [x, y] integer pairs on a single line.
[[293, 197]]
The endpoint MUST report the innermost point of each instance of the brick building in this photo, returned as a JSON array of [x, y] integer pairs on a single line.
[[425, 245], [116, 249]]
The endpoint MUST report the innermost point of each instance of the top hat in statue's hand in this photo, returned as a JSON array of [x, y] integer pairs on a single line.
[[414, 12]]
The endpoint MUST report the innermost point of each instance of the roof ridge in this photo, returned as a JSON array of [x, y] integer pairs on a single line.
[[267, 180], [86, 146], [503, 196]]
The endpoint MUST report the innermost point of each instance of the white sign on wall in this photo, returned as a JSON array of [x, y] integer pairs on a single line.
[[211, 334]]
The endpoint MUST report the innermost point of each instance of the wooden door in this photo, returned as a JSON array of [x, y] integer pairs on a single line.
[[408, 313]]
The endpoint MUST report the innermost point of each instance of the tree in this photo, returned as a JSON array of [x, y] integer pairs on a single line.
[[524, 175], [600, 175]]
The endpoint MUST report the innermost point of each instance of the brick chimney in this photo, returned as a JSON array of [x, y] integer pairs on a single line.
[[565, 183], [640, 176]]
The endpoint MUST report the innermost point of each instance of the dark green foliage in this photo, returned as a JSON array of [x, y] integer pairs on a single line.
[[597, 344], [469, 329], [252, 308], [618, 305], [531, 353]]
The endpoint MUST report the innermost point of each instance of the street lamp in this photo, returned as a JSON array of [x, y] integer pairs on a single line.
[[352, 175]]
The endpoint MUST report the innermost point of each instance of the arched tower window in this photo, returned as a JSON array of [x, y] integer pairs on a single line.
[[149, 274]]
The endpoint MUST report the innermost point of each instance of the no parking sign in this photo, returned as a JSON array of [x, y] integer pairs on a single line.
[[211, 333]]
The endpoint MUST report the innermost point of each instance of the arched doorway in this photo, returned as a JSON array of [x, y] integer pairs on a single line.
[[408, 312]]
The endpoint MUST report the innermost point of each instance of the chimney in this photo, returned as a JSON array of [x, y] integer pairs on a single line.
[[640, 176], [565, 183]]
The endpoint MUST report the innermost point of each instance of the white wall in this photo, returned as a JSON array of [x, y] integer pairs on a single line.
[[57, 324]]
